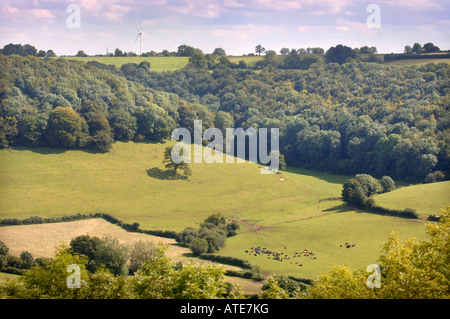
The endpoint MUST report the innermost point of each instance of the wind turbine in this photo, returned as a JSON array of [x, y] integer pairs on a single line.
[[140, 40]]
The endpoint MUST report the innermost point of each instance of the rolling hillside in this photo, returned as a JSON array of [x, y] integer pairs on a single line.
[[281, 214], [426, 199]]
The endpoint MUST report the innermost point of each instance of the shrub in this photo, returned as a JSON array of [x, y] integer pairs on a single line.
[[27, 260], [14, 261], [214, 237], [3, 249], [141, 251], [186, 236], [199, 246], [409, 213], [434, 177], [216, 219], [348, 188], [232, 228], [369, 202], [87, 246], [387, 183], [3, 261], [369, 184], [113, 255], [358, 196]]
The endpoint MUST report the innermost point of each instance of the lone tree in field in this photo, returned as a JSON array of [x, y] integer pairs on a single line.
[[169, 164], [260, 49]]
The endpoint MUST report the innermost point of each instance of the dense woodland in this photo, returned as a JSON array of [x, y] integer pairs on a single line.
[[351, 117]]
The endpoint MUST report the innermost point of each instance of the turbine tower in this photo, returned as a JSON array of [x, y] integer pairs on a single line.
[[140, 40]]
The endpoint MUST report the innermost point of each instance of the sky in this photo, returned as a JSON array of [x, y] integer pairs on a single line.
[[237, 26]]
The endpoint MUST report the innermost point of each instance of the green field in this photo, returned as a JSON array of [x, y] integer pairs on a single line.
[[157, 64], [129, 183], [416, 62], [161, 64], [426, 199]]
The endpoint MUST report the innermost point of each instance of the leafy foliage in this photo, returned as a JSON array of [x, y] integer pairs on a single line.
[[75, 105], [211, 235], [409, 270], [349, 118]]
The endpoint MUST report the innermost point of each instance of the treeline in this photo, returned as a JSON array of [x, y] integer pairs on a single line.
[[26, 50]]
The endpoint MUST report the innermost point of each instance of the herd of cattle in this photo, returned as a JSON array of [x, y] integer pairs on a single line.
[[281, 256]]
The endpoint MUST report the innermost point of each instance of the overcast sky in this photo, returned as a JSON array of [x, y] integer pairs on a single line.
[[234, 25]]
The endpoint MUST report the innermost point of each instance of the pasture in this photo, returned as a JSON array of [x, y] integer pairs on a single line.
[[173, 63], [157, 64], [426, 199], [128, 182]]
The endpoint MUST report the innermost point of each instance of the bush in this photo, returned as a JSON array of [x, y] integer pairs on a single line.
[[232, 228], [3, 249], [186, 236], [215, 219], [409, 213], [369, 184], [87, 246], [433, 218], [113, 255], [27, 260], [348, 188], [358, 196], [3, 261], [214, 237], [387, 183], [434, 177], [288, 284], [140, 252], [199, 246], [369, 202], [14, 261], [42, 261]]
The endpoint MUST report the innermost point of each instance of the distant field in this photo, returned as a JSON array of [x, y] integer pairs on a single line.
[[128, 183], [249, 60], [157, 64], [416, 62], [161, 64], [426, 199]]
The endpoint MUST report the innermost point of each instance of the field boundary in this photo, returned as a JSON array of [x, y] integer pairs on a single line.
[[33, 220]]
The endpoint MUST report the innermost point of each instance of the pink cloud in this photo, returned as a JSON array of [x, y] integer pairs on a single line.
[[27, 14], [205, 8], [42, 13]]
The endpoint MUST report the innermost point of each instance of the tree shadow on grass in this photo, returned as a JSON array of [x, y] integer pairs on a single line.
[[161, 174], [341, 208]]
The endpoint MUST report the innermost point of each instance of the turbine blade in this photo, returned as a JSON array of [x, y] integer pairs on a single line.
[[137, 37], [138, 29]]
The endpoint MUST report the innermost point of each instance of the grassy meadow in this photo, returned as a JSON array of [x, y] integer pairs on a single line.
[[426, 199], [173, 63], [157, 64], [279, 212]]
